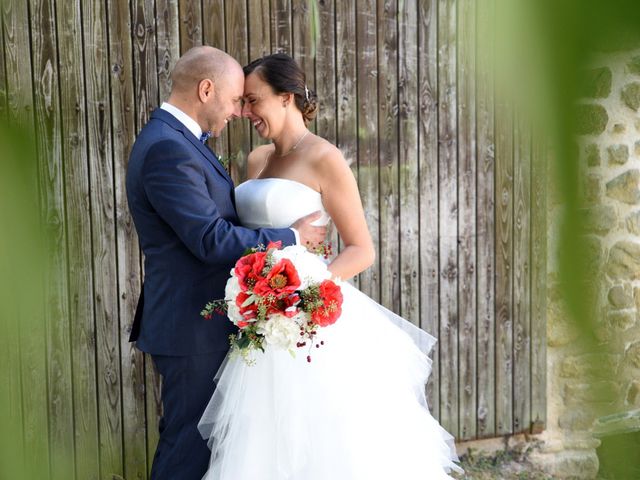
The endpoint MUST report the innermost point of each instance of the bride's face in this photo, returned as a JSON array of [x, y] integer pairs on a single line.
[[263, 107]]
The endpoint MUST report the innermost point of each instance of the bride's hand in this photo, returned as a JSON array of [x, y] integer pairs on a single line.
[[310, 235]]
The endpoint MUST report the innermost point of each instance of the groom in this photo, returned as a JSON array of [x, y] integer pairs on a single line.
[[182, 203]]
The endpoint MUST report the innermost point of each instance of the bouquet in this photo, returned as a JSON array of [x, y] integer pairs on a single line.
[[279, 297]]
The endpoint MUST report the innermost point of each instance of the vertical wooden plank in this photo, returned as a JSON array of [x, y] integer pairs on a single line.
[[408, 139], [145, 95], [3, 73], [259, 28], [304, 33], [168, 34], [77, 186], [259, 35], [521, 276], [281, 40], [213, 24], [467, 217], [51, 176], [239, 141], [123, 130], [428, 182], [538, 281], [190, 24], [326, 81], [448, 215], [367, 147], [485, 221], [104, 244], [504, 265], [389, 201], [215, 31], [17, 49]]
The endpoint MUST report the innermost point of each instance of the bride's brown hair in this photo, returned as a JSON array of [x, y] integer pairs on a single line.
[[284, 75]]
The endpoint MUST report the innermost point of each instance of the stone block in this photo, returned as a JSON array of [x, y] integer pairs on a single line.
[[591, 119], [633, 66], [621, 296], [589, 365], [619, 128], [632, 356], [576, 419], [569, 464], [592, 155], [597, 83], [624, 261], [625, 187], [601, 391], [622, 319], [591, 189], [618, 154], [560, 329], [599, 219], [631, 95], [632, 222], [636, 149], [633, 394]]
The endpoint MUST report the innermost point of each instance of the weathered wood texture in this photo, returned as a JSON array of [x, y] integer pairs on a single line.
[[452, 181]]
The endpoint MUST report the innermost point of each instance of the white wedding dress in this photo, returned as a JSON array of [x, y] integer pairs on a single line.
[[357, 411]]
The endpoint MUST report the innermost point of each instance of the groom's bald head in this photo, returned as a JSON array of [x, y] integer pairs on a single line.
[[201, 63], [208, 85]]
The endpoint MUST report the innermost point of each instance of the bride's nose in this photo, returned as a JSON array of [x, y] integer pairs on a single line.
[[246, 109]]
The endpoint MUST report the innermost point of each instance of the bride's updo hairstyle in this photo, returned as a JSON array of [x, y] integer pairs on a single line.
[[284, 75]]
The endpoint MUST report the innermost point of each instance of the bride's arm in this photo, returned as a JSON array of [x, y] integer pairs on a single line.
[[341, 199]]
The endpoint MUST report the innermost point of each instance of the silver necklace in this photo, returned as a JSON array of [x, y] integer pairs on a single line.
[[295, 145]]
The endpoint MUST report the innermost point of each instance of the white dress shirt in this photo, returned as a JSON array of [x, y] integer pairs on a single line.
[[194, 128], [183, 118]]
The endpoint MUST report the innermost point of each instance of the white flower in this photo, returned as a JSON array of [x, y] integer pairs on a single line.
[[310, 267], [231, 291], [280, 331]]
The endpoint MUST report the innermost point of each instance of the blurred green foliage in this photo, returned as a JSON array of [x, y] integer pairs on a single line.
[[543, 48], [22, 259]]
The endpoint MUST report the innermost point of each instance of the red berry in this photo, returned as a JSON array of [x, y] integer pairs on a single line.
[[309, 358]]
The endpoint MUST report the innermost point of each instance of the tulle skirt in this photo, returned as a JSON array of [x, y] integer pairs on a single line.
[[357, 411]]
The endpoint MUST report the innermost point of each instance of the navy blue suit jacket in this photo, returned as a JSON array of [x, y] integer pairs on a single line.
[[183, 206]]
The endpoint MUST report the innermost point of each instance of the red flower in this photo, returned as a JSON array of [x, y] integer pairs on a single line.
[[249, 268], [331, 308], [286, 306], [277, 245], [250, 311], [282, 280], [242, 324]]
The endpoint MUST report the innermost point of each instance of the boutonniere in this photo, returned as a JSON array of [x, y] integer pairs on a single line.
[[227, 160]]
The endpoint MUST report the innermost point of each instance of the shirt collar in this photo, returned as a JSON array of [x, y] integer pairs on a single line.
[[183, 118]]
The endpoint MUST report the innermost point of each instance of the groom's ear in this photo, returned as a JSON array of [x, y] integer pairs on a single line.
[[206, 90]]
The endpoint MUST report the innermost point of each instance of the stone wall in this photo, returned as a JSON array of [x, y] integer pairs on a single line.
[[588, 380]]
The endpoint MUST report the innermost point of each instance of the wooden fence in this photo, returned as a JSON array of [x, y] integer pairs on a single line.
[[451, 178]]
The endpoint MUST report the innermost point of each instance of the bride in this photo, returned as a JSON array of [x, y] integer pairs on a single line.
[[358, 410]]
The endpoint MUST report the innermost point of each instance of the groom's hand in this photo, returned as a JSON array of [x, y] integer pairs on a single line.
[[310, 235]]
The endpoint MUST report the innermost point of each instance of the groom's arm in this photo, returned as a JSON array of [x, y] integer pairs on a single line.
[[175, 185]]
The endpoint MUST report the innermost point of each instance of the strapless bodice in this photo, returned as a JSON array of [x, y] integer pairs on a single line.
[[276, 203]]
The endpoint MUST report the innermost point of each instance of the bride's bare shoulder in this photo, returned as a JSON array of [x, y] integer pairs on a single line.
[[257, 159], [328, 158]]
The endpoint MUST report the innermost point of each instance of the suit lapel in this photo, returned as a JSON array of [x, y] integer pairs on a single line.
[[206, 151]]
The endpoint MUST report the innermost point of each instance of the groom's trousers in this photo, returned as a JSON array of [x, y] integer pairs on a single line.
[[187, 386]]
